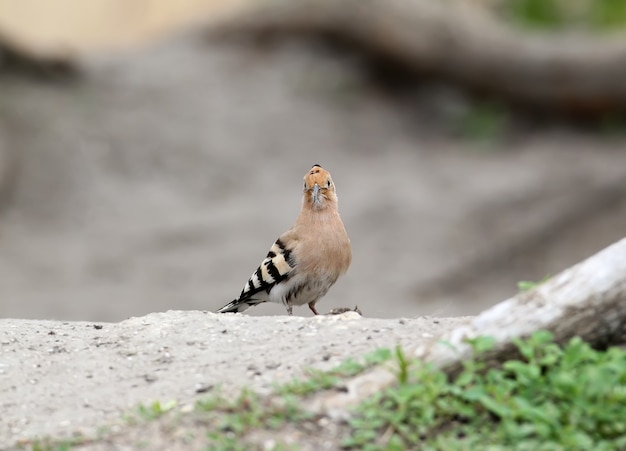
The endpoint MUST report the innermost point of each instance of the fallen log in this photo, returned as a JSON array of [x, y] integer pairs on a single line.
[[567, 72], [587, 300]]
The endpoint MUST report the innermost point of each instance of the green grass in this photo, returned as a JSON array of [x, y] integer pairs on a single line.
[[230, 420], [483, 122], [155, 410], [597, 15], [49, 444], [552, 398], [317, 380], [249, 411], [43, 445], [527, 285]]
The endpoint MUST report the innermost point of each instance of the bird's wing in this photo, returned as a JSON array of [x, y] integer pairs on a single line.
[[277, 266]]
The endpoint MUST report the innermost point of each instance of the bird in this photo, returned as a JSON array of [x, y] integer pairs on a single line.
[[306, 260]]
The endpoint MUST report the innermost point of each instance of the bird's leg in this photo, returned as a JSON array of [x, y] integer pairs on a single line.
[[312, 307], [289, 310]]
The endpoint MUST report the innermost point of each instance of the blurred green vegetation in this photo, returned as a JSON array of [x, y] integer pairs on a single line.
[[597, 15], [483, 122]]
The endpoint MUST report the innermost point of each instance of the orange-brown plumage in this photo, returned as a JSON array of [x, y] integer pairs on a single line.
[[305, 261]]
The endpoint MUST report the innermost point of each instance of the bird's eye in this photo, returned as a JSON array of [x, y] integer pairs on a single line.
[[329, 184], [305, 186]]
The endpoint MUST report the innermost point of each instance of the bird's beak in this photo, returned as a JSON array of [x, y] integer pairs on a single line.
[[316, 193]]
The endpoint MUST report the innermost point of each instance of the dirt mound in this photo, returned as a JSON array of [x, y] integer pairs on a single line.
[[61, 378]]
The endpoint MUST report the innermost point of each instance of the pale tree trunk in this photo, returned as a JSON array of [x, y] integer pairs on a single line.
[[587, 300]]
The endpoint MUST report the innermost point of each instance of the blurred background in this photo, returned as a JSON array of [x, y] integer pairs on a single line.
[[151, 153]]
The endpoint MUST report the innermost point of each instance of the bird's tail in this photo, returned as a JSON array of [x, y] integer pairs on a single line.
[[238, 306]]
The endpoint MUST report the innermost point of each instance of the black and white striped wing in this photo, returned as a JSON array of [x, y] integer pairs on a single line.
[[275, 268]]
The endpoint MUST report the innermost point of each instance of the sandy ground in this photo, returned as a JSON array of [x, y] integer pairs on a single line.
[[58, 378]]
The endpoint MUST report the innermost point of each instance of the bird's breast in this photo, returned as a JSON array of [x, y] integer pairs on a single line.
[[327, 250]]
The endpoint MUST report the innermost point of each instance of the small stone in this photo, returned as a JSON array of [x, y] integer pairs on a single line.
[[150, 378], [187, 407], [203, 388], [323, 422], [341, 310], [269, 444]]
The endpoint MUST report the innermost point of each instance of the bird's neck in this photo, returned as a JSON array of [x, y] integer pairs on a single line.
[[313, 214]]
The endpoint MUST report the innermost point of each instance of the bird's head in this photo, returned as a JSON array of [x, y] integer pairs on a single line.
[[319, 189]]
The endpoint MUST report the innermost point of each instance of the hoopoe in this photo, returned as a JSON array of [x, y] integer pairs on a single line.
[[305, 261]]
